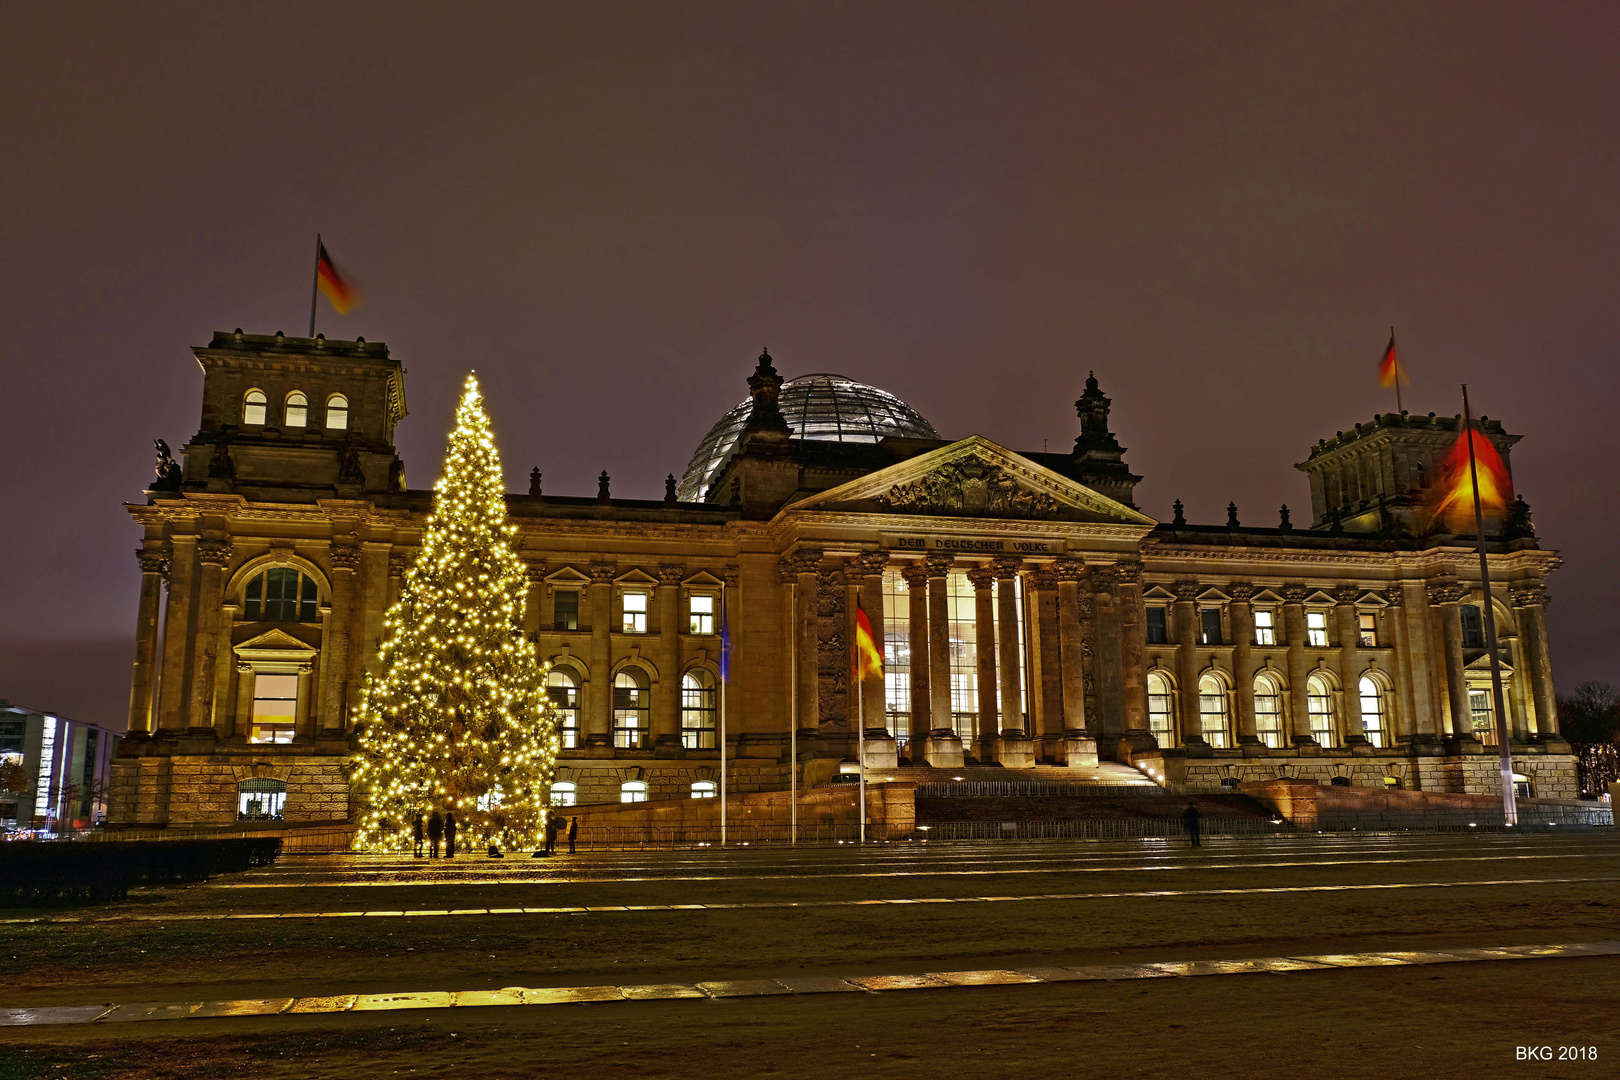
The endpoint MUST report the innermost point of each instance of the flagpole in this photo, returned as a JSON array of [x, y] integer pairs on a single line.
[[725, 677], [1510, 812], [1398, 406], [860, 742], [314, 286], [793, 711]]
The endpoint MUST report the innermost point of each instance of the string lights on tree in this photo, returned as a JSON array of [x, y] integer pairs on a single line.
[[457, 717]]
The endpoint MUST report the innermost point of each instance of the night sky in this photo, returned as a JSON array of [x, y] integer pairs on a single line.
[[606, 209]]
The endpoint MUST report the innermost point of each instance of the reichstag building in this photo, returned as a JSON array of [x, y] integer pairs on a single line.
[[1030, 613]]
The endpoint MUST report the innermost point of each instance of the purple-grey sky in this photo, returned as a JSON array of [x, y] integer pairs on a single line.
[[608, 208]]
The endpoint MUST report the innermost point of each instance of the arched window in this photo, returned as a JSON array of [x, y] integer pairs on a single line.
[[703, 789], [1268, 710], [260, 799], [297, 409], [1372, 711], [1319, 707], [633, 791], [1161, 709], [563, 690], [697, 710], [253, 408], [280, 594], [1212, 710], [337, 413], [562, 793], [631, 699]]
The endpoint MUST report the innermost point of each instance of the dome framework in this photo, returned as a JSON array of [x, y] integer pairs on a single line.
[[822, 406]]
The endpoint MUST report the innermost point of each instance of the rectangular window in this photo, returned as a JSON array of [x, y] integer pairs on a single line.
[[1319, 707], [896, 655], [1157, 634], [1161, 712], [1473, 627], [702, 610], [1268, 714], [1265, 628], [1316, 629], [635, 613], [1482, 716], [1212, 715], [565, 610], [1210, 626], [275, 708], [1368, 622], [1372, 712]]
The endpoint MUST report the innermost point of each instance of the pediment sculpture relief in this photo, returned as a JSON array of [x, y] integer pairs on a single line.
[[970, 487]]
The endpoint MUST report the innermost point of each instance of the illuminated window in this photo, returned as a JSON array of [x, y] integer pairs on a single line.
[[1265, 628], [703, 789], [275, 708], [337, 413], [896, 653], [1372, 710], [962, 629], [1473, 627], [565, 610], [254, 406], [1482, 715], [630, 705], [1393, 783], [260, 799], [280, 594], [1212, 710], [1319, 708], [635, 613], [1161, 709], [297, 409], [1209, 630], [633, 791], [1316, 628], [1522, 787], [697, 710], [702, 611], [1368, 622], [1268, 710], [1157, 633], [563, 691], [563, 793]]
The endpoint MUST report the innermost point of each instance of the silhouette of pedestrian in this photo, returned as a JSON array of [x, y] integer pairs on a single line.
[[449, 834], [416, 830], [551, 832], [1190, 818], [435, 830], [573, 833]]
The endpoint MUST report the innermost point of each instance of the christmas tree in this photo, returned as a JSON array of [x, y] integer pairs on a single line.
[[457, 718]]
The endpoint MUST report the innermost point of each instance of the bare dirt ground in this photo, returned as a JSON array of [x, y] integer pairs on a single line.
[[1428, 1021]]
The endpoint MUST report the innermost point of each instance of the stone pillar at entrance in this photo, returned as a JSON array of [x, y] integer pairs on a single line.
[[1078, 748], [944, 747], [213, 556], [174, 676], [335, 641], [984, 630], [1241, 609], [1187, 627], [153, 565], [807, 579], [1015, 749], [666, 711], [1530, 604], [1294, 627], [1132, 622], [922, 714], [599, 690], [1447, 598]]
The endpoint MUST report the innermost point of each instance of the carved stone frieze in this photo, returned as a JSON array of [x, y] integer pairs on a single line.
[[915, 575], [345, 557], [1007, 567], [1241, 592], [1186, 590], [1294, 594], [981, 577], [1394, 596], [1067, 569], [670, 573], [603, 573], [939, 564], [1529, 596], [970, 488], [216, 552], [1447, 592], [152, 562], [1128, 572], [1346, 594]]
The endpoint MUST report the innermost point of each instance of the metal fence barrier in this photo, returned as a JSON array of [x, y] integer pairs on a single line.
[[940, 789]]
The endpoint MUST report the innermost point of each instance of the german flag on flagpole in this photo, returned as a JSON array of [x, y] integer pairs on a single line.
[[868, 657], [1451, 495], [1391, 371], [334, 286]]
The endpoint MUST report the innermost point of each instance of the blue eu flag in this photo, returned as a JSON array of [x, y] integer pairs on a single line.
[[725, 646]]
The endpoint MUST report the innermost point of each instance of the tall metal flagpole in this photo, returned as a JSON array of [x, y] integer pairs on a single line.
[[315, 285], [793, 734], [1398, 406], [725, 677], [860, 711], [1510, 810]]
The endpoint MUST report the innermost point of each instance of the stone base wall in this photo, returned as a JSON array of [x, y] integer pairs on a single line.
[[186, 789], [891, 813], [1307, 805], [1551, 776]]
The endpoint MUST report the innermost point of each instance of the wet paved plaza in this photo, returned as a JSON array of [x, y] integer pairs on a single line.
[[321, 950]]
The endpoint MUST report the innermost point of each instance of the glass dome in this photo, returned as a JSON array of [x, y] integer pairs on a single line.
[[830, 408]]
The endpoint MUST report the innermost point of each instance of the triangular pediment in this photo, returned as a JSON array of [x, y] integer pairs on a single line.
[[974, 478], [275, 645], [567, 576]]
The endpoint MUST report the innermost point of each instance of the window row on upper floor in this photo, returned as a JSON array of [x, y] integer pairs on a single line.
[[634, 606], [1211, 627], [294, 410]]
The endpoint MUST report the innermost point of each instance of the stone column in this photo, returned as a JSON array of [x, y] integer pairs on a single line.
[[983, 579], [922, 713], [224, 672], [807, 578], [241, 728], [176, 674], [153, 566], [1079, 746], [303, 723], [1132, 664], [397, 565], [1349, 631], [666, 704], [787, 576], [335, 641], [1241, 609], [881, 750], [944, 749], [1294, 626], [533, 600], [1187, 627], [1046, 682], [737, 684], [370, 605], [1015, 750], [598, 703], [1110, 608], [1414, 682], [1530, 604], [1445, 598], [212, 557]]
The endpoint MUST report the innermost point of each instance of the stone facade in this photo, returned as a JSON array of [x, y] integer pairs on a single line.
[[1031, 614]]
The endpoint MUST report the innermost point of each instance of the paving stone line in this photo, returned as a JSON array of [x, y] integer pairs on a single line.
[[800, 984], [777, 904]]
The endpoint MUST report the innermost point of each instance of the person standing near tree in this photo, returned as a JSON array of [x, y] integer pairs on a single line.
[[416, 831], [435, 830], [449, 834], [573, 833]]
